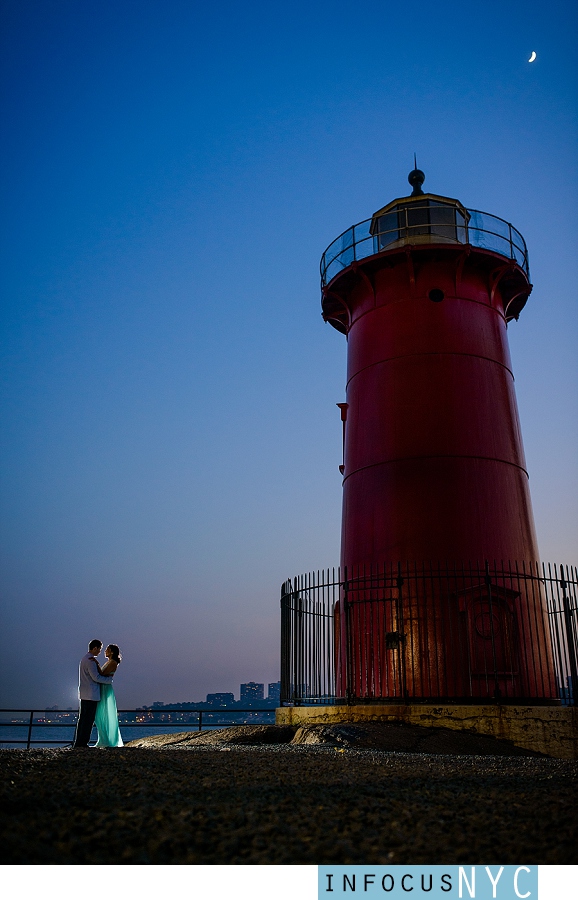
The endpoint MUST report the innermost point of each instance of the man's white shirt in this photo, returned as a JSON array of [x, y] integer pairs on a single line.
[[89, 679]]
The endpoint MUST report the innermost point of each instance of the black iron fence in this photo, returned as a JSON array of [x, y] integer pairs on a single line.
[[41, 727], [503, 633]]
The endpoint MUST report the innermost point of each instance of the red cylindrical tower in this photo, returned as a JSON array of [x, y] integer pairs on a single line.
[[434, 467]]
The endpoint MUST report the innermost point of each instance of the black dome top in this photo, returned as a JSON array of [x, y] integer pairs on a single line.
[[416, 178]]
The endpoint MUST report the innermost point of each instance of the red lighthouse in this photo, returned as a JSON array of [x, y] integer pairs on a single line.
[[434, 468]]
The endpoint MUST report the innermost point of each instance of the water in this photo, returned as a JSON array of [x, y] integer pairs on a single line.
[[12, 735], [46, 736]]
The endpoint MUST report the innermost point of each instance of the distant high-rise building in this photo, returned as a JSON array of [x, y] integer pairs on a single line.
[[252, 691], [274, 691], [222, 699]]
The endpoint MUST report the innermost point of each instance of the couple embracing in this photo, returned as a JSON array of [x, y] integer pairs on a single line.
[[97, 701]]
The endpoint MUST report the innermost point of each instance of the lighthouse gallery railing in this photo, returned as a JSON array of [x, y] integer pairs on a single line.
[[467, 226], [431, 633]]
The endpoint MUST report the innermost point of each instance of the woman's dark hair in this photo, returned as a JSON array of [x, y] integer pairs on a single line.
[[115, 652]]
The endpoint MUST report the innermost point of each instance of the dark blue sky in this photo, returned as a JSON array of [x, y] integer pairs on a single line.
[[171, 174]]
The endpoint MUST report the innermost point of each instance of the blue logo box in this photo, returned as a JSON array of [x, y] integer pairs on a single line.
[[428, 882]]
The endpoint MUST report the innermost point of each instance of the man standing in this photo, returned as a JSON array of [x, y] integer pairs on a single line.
[[89, 681]]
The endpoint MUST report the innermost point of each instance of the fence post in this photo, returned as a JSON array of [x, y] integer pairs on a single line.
[[401, 633], [348, 638], [285, 645], [31, 720], [569, 637], [488, 580], [294, 639]]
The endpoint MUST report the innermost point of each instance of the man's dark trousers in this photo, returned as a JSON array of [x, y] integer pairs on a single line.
[[85, 722]]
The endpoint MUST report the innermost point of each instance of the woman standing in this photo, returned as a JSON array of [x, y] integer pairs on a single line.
[[106, 720]]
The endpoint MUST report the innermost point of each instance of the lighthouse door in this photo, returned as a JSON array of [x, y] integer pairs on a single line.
[[490, 625]]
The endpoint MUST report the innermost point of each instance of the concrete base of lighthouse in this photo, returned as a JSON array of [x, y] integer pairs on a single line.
[[545, 729]]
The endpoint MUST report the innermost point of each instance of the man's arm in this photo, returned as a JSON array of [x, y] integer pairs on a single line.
[[93, 673]]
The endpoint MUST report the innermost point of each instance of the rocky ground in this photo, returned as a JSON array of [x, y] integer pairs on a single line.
[[265, 795]]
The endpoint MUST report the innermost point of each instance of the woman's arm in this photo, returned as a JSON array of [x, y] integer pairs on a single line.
[[95, 673], [109, 667]]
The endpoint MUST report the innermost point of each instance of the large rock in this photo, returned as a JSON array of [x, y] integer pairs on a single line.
[[400, 737], [385, 736], [234, 734]]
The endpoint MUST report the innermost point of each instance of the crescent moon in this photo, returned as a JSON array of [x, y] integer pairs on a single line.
[[533, 56]]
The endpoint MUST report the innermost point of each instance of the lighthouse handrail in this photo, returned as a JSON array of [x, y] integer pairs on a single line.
[[476, 228]]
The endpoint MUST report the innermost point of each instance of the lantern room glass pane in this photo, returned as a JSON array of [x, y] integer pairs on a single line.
[[388, 230], [417, 218], [443, 220], [461, 231]]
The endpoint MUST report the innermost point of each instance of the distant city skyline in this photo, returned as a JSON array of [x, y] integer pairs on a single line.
[[273, 693], [172, 174]]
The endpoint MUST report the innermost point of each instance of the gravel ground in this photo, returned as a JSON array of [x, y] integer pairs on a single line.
[[284, 803]]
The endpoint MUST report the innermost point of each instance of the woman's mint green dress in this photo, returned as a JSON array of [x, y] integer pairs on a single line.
[[106, 720]]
